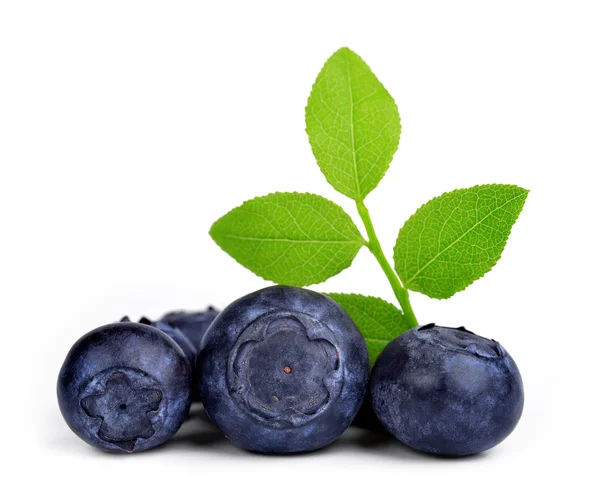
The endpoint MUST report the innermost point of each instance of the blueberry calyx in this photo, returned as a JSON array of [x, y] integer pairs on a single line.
[[459, 340], [501, 351], [462, 328], [123, 409], [284, 368]]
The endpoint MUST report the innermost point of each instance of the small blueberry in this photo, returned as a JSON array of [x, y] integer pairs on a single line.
[[125, 387]]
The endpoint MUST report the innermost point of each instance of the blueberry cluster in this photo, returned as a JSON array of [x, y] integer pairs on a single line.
[[285, 370]]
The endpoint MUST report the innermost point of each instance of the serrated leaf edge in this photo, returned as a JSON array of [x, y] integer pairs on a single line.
[[525, 193], [358, 192], [360, 242]]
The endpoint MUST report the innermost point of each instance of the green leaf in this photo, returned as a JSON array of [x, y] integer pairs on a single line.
[[353, 125], [456, 238], [289, 238], [378, 321]]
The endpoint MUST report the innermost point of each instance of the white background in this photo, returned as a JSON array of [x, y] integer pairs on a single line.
[[127, 128]]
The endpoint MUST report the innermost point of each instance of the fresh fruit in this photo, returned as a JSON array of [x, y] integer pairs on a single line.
[[446, 390], [192, 324], [186, 329], [125, 387], [283, 370], [189, 349]]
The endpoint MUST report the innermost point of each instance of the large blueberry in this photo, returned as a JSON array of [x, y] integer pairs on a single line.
[[193, 324], [447, 391], [125, 387], [283, 370]]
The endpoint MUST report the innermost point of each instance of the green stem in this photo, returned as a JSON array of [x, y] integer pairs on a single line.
[[375, 248]]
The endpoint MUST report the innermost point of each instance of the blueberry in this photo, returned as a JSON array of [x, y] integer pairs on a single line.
[[447, 391], [193, 324], [189, 349], [125, 387], [186, 329], [282, 370]]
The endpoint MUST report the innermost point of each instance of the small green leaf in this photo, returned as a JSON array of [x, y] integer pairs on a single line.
[[289, 238], [378, 321], [353, 125], [456, 238]]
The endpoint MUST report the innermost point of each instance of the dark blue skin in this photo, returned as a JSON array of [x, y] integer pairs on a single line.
[[125, 387], [193, 324], [189, 349], [447, 391], [282, 370], [186, 328]]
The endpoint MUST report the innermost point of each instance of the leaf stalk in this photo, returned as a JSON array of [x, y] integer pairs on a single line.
[[374, 246]]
